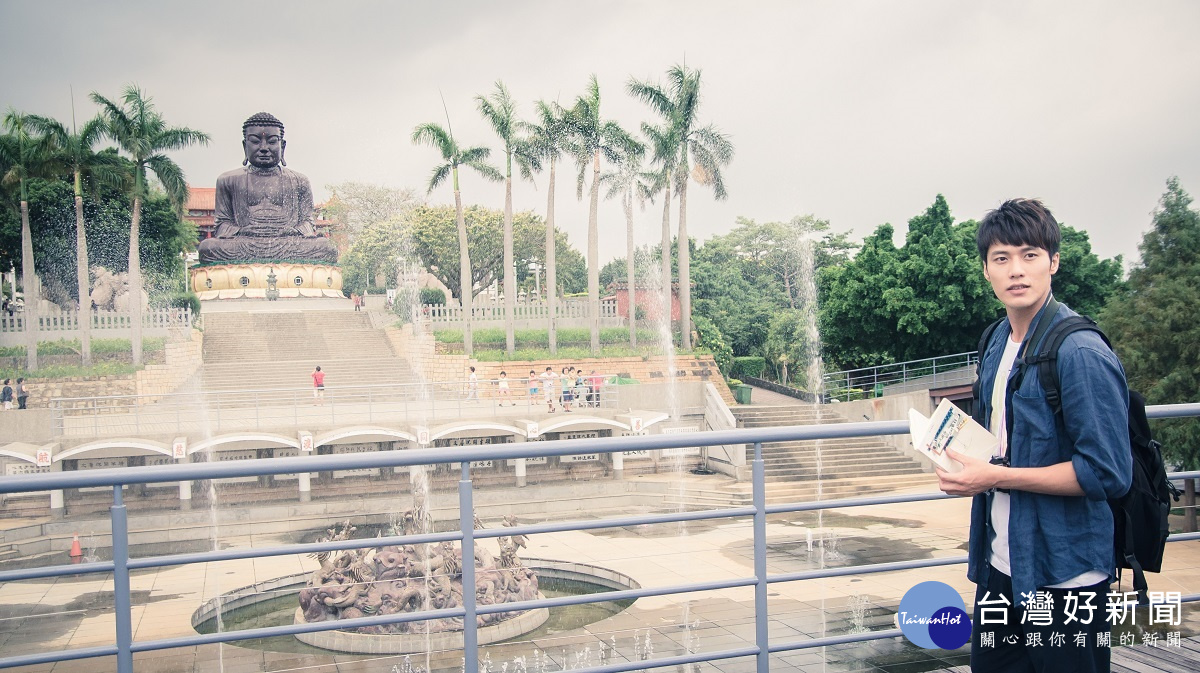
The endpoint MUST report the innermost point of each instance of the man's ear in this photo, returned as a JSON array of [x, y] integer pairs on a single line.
[[986, 276], [1054, 264], [245, 153], [282, 149]]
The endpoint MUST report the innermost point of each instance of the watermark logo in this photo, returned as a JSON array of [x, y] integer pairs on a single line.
[[932, 615]]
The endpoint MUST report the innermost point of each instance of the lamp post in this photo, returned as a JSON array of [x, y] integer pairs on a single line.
[[537, 278]]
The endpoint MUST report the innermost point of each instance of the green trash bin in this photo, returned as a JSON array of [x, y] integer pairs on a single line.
[[878, 390], [741, 394]]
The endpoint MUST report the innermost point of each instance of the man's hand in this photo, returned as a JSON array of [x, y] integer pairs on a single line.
[[976, 476]]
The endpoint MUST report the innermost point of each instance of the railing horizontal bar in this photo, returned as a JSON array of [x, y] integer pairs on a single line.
[[285, 550], [856, 502], [836, 640], [624, 594], [409, 457], [530, 529], [1173, 410], [867, 569], [292, 629], [55, 656], [1183, 537], [678, 660], [56, 571]]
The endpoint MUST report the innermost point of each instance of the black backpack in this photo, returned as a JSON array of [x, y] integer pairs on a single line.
[[1140, 526]]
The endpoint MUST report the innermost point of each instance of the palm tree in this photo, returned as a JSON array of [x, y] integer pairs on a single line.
[[453, 156], [591, 138], [75, 148], [548, 140], [140, 131], [24, 156], [501, 112], [662, 142], [706, 146], [631, 184]]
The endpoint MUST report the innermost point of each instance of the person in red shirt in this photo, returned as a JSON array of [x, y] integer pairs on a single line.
[[318, 377]]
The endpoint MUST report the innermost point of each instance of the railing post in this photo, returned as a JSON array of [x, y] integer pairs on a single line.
[[761, 634], [121, 598], [466, 522]]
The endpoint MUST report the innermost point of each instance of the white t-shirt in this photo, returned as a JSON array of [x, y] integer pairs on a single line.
[[1001, 503]]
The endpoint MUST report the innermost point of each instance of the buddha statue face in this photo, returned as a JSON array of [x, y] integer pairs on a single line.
[[264, 146]]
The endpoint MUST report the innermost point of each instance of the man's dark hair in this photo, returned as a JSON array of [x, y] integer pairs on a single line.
[[1019, 222]]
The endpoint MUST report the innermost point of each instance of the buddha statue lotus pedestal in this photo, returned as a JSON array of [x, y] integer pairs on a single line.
[[264, 225]]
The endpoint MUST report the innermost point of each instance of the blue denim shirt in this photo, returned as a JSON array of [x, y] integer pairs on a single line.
[[1054, 538]]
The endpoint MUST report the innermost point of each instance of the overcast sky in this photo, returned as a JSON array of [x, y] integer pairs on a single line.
[[856, 112]]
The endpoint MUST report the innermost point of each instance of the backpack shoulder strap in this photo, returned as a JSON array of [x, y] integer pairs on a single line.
[[1046, 357], [979, 351]]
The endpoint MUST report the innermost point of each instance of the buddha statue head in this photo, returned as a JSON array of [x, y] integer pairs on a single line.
[[262, 141]]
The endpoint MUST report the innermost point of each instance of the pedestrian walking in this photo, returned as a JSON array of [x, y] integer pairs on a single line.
[[533, 386], [502, 389], [22, 393], [473, 386], [6, 395], [318, 378], [548, 377]]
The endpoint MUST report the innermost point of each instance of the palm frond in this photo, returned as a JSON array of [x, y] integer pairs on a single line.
[[433, 135], [439, 175], [171, 176], [179, 138]]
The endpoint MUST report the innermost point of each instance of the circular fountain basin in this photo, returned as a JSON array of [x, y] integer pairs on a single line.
[[245, 600]]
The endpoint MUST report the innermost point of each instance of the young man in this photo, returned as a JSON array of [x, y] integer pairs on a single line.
[[1041, 548]]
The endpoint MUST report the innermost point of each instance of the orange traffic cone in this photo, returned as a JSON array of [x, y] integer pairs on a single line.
[[76, 553]]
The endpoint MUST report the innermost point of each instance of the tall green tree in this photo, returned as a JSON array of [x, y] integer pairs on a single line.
[[548, 139], [701, 152], [1154, 325], [23, 156], [632, 185], [453, 156], [432, 233], [499, 111], [594, 138], [76, 147], [141, 132]]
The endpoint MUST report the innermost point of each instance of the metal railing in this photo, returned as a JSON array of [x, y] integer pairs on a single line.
[[124, 646], [898, 377], [566, 309], [245, 410]]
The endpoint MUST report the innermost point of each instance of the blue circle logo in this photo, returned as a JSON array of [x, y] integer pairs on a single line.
[[932, 615]]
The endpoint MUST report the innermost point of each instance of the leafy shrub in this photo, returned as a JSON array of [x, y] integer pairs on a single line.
[[187, 300], [733, 383], [749, 366], [710, 338], [433, 295]]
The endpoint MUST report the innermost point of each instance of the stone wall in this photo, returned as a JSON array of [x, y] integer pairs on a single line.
[[181, 359]]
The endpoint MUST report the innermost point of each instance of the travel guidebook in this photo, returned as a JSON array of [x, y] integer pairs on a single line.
[[950, 428]]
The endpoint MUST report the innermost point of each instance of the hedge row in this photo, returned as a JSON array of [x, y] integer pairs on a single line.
[[748, 366]]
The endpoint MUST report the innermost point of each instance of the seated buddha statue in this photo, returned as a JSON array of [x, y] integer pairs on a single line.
[[264, 210]]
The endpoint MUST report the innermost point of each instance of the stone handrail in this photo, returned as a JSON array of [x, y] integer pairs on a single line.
[[68, 321]]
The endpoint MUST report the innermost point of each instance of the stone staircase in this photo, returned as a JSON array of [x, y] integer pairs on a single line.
[[268, 350], [859, 466]]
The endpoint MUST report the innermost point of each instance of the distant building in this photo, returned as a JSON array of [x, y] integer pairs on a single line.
[[648, 299], [201, 210]]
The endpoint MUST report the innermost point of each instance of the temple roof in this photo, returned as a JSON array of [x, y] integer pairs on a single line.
[[201, 198]]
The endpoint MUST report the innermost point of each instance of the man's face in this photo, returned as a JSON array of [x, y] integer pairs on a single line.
[[264, 146], [1020, 275]]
